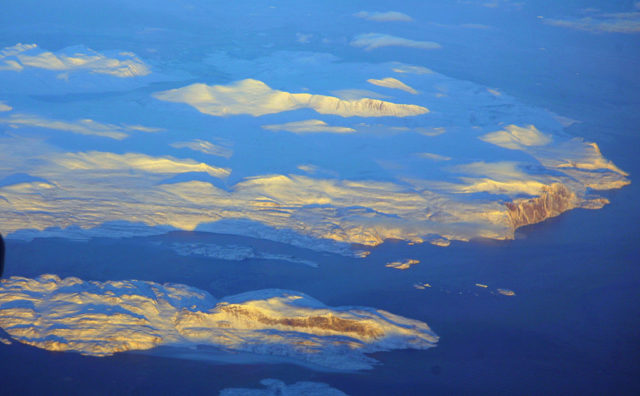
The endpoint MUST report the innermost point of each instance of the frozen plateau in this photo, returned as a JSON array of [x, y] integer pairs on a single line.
[[297, 197], [274, 147], [323, 161], [103, 318]]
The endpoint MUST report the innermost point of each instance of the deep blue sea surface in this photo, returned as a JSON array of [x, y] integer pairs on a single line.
[[571, 327]]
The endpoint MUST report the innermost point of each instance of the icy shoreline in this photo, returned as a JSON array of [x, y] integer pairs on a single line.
[[103, 318]]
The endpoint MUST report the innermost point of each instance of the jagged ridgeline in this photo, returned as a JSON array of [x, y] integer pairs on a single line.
[[103, 318], [480, 166]]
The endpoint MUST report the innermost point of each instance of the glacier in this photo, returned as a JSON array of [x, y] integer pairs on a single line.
[[102, 318], [292, 163]]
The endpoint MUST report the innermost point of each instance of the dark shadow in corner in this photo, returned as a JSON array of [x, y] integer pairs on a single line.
[[1, 255]]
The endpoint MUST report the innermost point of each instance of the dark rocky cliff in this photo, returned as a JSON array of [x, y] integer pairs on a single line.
[[555, 199]]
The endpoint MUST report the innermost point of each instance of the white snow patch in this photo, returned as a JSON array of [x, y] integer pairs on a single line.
[[205, 147], [411, 69], [101, 161], [515, 137], [308, 126], [370, 41], [103, 318], [81, 127], [403, 265], [25, 56], [257, 98], [391, 82], [234, 253]]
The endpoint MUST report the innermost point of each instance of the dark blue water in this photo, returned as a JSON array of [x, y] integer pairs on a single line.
[[571, 328]]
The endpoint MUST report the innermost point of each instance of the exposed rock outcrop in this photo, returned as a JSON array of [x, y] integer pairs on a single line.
[[103, 318], [554, 200]]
